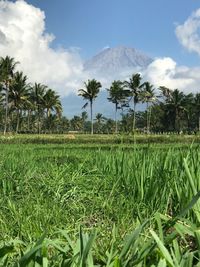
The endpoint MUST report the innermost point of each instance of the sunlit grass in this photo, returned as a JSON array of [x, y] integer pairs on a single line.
[[111, 191]]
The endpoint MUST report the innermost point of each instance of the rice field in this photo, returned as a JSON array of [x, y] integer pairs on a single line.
[[99, 203]]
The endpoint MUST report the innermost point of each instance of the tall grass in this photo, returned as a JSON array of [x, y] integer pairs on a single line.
[[136, 205]]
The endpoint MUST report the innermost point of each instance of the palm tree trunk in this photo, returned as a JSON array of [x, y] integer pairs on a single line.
[[17, 126], [199, 123], [48, 112], [116, 129], [28, 120], [38, 124], [47, 128], [134, 109], [6, 115], [176, 120], [147, 117], [91, 117]]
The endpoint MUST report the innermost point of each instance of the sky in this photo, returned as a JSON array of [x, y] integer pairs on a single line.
[[52, 39], [91, 25]]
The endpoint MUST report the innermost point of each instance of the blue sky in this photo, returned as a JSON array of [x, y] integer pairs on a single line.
[[148, 25], [40, 34]]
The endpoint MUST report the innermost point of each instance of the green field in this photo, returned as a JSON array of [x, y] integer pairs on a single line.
[[99, 201]]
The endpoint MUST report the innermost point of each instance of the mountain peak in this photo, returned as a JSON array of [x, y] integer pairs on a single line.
[[116, 59]]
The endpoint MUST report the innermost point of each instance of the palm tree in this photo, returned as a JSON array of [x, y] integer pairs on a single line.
[[52, 102], [176, 105], [76, 123], [165, 92], [148, 96], [84, 117], [99, 118], [7, 67], [197, 108], [29, 106], [90, 92], [134, 85], [19, 93], [117, 95], [189, 103], [37, 97]]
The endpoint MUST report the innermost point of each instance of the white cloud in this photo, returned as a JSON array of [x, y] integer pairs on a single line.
[[188, 32], [165, 72], [23, 36], [161, 72]]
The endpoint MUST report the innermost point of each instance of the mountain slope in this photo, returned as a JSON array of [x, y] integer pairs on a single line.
[[112, 60]]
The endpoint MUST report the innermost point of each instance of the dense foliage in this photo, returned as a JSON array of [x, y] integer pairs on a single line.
[[36, 108]]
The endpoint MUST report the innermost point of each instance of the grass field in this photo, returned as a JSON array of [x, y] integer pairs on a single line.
[[100, 201]]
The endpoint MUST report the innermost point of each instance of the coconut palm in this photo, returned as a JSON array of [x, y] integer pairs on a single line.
[[189, 110], [99, 119], [134, 85], [18, 95], [7, 68], [197, 108], [148, 96], [176, 105], [84, 117], [90, 92], [37, 98], [76, 123], [165, 92], [52, 102], [118, 96]]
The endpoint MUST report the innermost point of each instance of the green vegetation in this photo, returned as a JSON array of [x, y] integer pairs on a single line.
[[98, 200], [36, 108], [89, 94], [87, 204]]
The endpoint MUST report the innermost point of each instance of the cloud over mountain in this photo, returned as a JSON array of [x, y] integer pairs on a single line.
[[166, 72], [23, 36]]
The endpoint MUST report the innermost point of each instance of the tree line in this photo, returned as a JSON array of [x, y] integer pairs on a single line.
[[24, 106], [36, 108], [166, 111]]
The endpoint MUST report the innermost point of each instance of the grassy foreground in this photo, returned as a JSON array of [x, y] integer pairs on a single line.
[[92, 205]]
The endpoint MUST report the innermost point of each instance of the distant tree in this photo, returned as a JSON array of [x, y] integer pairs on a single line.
[[37, 98], [90, 92], [165, 93], [52, 102], [148, 96], [99, 120], [134, 85], [188, 115], [19, 94], [7, 68], [176, 106], [84, 117], [109, 126], [197, 109], [158, 117], [118, 96], [126, 123], [63, 125], [76, 123]]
